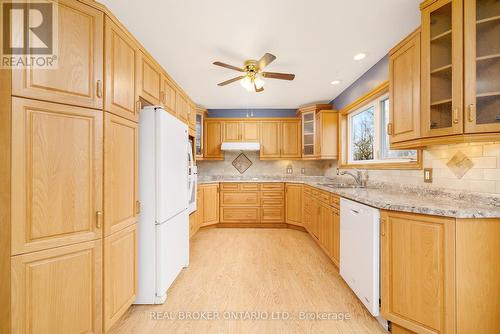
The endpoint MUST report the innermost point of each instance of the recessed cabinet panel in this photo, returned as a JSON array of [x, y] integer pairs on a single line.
[[290, 139], [78, 78], [270, 139], [56, 175], [212, 135], [148, 80], [250, 132]]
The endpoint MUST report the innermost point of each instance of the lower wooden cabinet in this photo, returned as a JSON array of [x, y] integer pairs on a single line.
[[120, 273], [210, 200], [58, 290], [335, 251], [293, 195], [272, 214], [240, 214]]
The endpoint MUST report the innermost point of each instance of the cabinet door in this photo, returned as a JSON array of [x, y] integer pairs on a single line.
[[308, 134], [272, 214], [58, 290], [56, 175], [120, 173], [212, 138], [418, 271], [294, 204], [200, 215], [148, 80], [120, 71], [210, 204], [192, 118], [270, 140], [120, 273], [77, 80], [482, 66], [232, 131], [168, 95], [404, 90], [442, 67], [336, 238], [290, 139], [250, 132], [199, 136], [182, 108]]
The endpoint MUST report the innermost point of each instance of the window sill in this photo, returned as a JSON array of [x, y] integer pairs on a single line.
[[383, 165]]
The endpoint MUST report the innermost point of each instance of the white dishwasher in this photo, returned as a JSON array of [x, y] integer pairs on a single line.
[[360, 251]]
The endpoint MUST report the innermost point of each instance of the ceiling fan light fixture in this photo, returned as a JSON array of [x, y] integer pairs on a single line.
[[259, 83], [246, 83]]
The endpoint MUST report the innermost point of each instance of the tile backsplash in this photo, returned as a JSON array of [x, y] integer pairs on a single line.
[[262, 167], [484, 176]]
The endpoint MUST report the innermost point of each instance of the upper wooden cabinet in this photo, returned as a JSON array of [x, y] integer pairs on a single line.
[[442, 68], [192, 119], [120, 72], [149, 80], [231, 131], [404, 89], [78, 78], [168, 95], [290, 139], [58, 290], [212, 138], [482, 66], [241, 131], [182, 107], [319, 131], [121, 198], [270, 140], [56, 176], [199, 120]]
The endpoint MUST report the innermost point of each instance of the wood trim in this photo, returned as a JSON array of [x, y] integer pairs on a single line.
[[373, 94], [5, 201], [404, 41], [252, 225], [454, 139], [251, 119], [389, 165]]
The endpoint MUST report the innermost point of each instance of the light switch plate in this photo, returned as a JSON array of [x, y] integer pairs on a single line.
[[428, 175]]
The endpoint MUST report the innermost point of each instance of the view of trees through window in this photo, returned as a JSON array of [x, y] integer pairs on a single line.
[[363, 134]]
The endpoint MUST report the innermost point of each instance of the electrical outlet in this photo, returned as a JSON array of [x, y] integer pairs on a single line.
[[289, 170], [428, 175], [302, 171]]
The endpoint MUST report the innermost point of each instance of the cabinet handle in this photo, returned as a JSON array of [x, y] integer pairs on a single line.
[[382, 227], [389, 129], [98, 216], [99, 88], [472, 112], [455, 116], [138, 106], [137, 207]]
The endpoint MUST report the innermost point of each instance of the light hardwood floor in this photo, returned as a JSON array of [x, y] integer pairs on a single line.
[[263, 270]]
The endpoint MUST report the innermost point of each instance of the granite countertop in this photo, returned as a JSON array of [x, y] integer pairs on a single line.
[[414, 199]]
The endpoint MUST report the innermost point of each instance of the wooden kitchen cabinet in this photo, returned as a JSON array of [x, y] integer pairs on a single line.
[[200, 215], [418, 271], [319, 138], [121, 176], [272, 203], [198, 138], [293, 194], [149, 80], [404, 89], [212, 139], [121, 53], [290, 139], [192, 119], [270, 139], [241, 131], [182, 108], [56, 176], [58, 290], [120, 273], [210, 203], [335, 250], [442, 68], [78, 77], [168, 95], [232, 131]]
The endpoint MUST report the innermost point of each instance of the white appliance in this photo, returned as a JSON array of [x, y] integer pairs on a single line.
[[360, 252], [240, 146], [192, 179], [163, 189]]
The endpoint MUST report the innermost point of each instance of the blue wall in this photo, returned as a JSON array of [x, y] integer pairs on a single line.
[[236, 113], [372, 78]]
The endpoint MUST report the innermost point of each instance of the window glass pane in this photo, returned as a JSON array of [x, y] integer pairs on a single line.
[[362, 132], [386, 153]]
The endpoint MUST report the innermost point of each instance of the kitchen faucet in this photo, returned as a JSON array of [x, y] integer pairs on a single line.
[[358, 177]]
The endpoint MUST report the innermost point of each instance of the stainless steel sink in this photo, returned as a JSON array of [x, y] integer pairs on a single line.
[[341, 185]]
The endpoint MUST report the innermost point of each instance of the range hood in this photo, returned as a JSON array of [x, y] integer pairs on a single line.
[[239, 146]]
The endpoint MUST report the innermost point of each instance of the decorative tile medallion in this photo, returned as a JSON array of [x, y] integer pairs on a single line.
[[459, 164], [242, 163]]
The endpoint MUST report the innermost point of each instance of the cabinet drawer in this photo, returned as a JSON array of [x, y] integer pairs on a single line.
[[324, 197], [272, 186], [240, 215], [272, 201], [334, 200], [307, 190], [249, 186], [273, 215], [250, 198], [308, 205], [273, 194], [229, 186]]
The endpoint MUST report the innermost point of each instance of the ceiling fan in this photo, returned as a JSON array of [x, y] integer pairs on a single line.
[[252, 69]]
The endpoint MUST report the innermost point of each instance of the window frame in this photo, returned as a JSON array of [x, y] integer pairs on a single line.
[[371, 99]]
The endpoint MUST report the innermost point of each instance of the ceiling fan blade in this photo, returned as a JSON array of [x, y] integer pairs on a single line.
[[266, 60], [227, 82], [281, 76], [258, 90], [231, 67]]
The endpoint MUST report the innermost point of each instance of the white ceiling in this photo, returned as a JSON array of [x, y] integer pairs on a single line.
[[315, 39]]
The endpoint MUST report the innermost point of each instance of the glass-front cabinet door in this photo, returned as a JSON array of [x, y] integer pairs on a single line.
[[199, 136], [442, 65], [482, 65], [308, 134]]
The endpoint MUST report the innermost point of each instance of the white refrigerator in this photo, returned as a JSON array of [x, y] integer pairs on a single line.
[[163, 190]]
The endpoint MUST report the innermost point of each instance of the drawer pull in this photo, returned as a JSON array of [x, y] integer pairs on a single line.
[[99, 88]]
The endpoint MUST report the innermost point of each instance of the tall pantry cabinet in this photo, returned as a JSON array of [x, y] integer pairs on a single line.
[[69, 177]]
